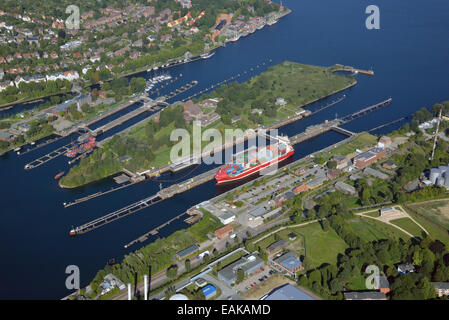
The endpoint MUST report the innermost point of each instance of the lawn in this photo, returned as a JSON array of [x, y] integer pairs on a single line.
[[366, 231], [373, 214], [437, 212], [387, 230], [321, 247], [207, 224], [408, 225], [435, 230]]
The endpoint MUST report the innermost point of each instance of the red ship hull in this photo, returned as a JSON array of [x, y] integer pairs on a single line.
[[252, 171]]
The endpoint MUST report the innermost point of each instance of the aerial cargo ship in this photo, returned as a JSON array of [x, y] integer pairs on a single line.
[[250, 162], [81, 147]]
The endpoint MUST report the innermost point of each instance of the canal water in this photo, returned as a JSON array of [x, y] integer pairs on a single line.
[[409, 55]]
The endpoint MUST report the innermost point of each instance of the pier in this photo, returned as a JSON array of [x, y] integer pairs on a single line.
[[335, 125], [341, 68], [48, 157], [115, 123], [132, 208], [180, 90], [153, 232], [43, 144]]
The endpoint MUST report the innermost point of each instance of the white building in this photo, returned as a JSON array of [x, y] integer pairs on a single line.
[[5, 84], [226, 218]]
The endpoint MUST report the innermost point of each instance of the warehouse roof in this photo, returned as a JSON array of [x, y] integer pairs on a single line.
[[187, 251], [288, 292]]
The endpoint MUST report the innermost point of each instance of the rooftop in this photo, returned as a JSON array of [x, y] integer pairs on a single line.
[[288, 292], [187, 251], [366, 295]]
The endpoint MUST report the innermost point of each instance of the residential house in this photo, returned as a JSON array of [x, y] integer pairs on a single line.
[[406, 268], [442, 288]]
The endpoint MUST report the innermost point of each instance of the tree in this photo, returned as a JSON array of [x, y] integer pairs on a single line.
[[240, 275], [331, 164], [335, 286], [315, 276], [172, 271], [187, 265]]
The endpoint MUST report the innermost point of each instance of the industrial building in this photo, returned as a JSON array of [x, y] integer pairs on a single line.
[[209, 291], [316, 182], [287, 292], [369, 157], [186, 252], [439, 176], [289, 263], [277, 246], [226, 218], [346, 188], [342, 161], [249, 265], [375, 173], [224, 232]]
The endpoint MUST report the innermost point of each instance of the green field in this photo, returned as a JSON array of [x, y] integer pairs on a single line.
[[387, 230], [408, 225], [366, 231], [321, 247], [373, 214], [437, 212], [298, 84], [435, 230]]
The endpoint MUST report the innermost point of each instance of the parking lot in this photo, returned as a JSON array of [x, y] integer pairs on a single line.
[[253, 280]]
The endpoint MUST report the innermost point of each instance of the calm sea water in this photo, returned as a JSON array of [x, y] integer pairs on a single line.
[[409, 54]]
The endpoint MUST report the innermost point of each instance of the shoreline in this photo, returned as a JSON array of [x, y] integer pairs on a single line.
[[130, 73]]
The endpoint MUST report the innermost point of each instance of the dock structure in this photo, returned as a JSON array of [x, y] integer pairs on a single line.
[[341, 68], [335, 125], [43, 144], [110, 112], [365, 111], [48, 157], [181, 90], [178, 188], [313, 131], [343, 131], [153, 232], [130, 209], [121, 120]]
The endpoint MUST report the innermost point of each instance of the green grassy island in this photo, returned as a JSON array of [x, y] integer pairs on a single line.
[[148, 145]]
